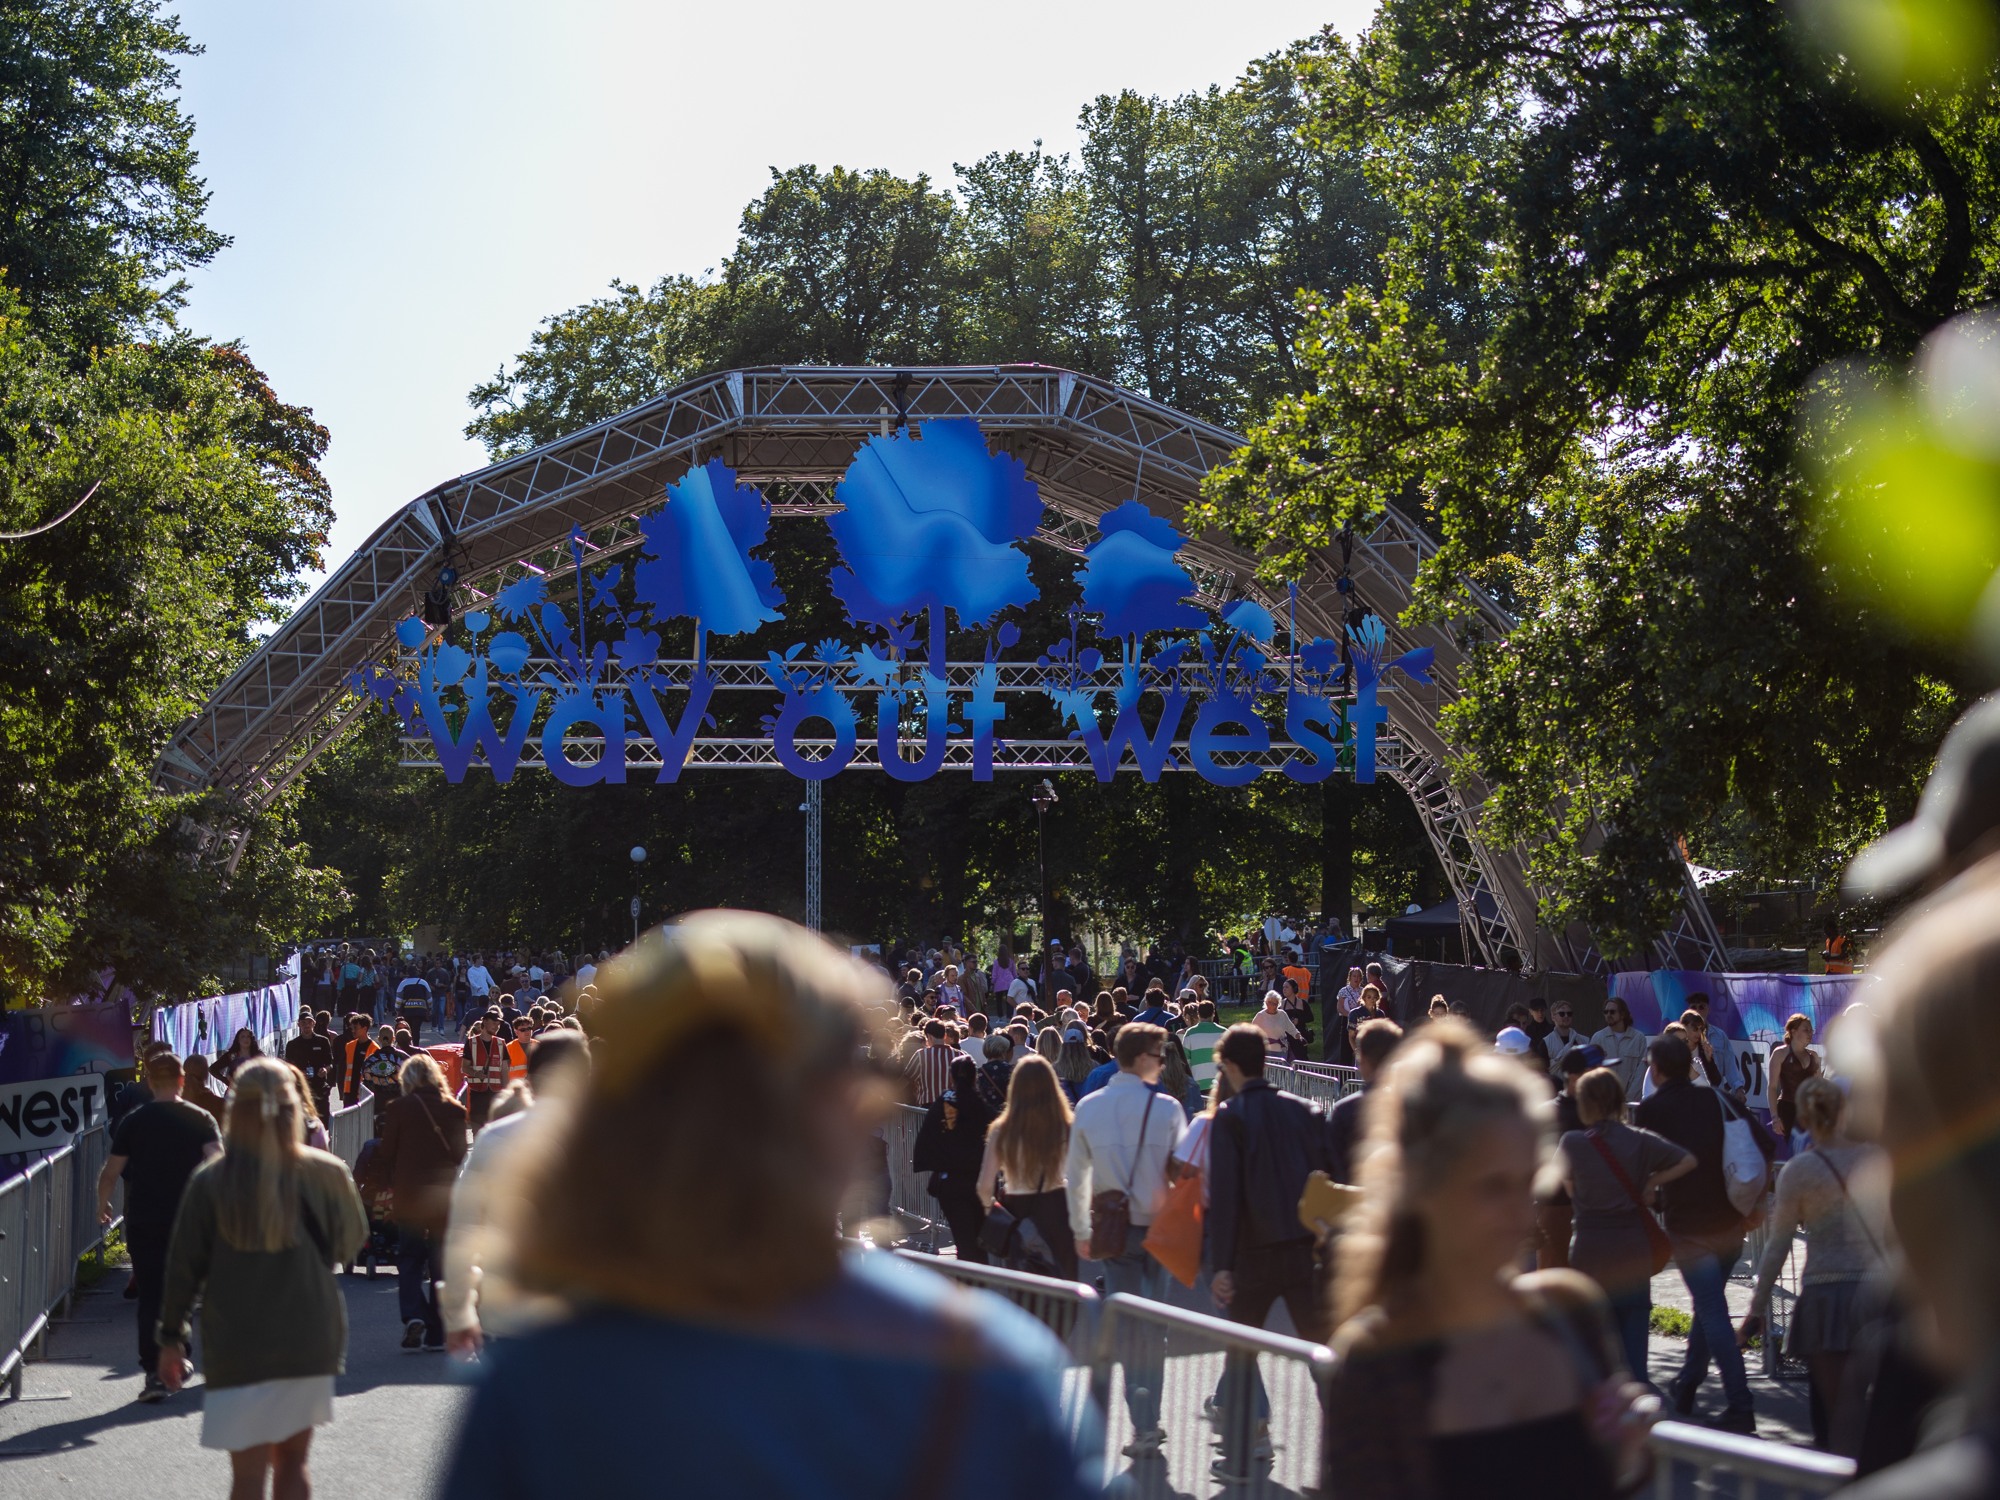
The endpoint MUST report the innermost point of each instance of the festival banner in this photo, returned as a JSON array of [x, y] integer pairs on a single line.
[[52, 1066], [208, 1025], [1742, 1007]]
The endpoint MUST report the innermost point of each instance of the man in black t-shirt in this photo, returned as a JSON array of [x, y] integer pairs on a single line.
[[312, 1055], [156, 1148]]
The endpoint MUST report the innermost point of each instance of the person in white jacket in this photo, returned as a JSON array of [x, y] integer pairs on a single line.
[[1624, 1046], [1120, 1142], [478, 1300]]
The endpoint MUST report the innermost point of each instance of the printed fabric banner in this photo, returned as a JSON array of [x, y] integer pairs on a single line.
[[1741, 1006], [52, 1066], [209, 1025]]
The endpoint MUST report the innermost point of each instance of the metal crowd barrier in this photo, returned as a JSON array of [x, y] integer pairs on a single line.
[[1690, 1461], [48, 1222], [909, 1199], [1323, 1083], [348, 1129], [1260, 1433]]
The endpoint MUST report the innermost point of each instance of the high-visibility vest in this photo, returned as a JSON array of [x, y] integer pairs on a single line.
[[517, 1061], [485, 1064], [1838, 954], [350, 1077]]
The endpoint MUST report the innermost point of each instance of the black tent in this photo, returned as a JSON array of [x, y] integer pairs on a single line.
[[1440, 922]]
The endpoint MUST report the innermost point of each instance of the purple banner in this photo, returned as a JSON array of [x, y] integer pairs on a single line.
[[60, 1040], [1740, 1006]]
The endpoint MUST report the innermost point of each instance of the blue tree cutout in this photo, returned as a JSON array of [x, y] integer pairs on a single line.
[[929, 524], [696, 560], [1129, 575]]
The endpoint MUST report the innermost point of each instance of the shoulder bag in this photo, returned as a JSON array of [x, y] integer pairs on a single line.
[[1111, 1210], [1661, 1248]]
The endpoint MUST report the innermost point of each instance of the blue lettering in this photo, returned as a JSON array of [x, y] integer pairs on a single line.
[[1208, 739]]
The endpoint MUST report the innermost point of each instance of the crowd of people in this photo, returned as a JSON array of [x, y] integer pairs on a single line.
[[651, 1233]]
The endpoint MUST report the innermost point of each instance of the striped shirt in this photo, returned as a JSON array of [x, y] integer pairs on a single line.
[[929, 1068], [1200, 1042]]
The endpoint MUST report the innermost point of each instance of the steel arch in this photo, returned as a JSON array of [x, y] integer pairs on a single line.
[[1088, 444]]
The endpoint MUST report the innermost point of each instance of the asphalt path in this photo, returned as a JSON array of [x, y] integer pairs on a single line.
[[78, 1430]]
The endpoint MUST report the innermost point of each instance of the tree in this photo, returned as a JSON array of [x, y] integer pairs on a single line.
[[1628, 235], [100, 206], [206, 500]]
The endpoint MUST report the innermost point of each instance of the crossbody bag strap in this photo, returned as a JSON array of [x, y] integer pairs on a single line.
[[1132, 1176], [1852, 1208], [1617, 1170]]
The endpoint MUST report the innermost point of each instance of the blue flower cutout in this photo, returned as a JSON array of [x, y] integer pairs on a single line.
[[637, 648], [870, 668], [522, 595], [833, 653]]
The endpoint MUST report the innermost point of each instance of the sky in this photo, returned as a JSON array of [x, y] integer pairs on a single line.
[[412, 187]]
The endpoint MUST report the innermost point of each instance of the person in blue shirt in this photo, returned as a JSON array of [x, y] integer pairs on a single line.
[[720, 1341]]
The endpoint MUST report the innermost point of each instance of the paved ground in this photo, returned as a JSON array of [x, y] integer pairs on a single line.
[[79, 1432]]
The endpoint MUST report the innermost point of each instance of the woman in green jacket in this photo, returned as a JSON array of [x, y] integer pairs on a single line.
[[256, 1238]]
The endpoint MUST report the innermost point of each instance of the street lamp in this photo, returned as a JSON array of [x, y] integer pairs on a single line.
[[638, 858], [1044, 797]]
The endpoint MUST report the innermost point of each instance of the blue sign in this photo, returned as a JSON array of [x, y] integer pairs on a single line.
[[930, 533]]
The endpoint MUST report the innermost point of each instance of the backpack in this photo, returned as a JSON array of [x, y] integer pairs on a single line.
[[1744, 1170]]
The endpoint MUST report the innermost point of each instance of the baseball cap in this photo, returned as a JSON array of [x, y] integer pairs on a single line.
[[1512, 1040], [1960, 806]]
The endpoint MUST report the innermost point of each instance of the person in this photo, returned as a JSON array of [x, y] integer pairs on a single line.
[[1611, 1171], [1292, 1000], [730, 1090], [350, 1058], [1554, 1213], [196, 1089], [1119, 1143], [1200, 1041], [950, 991], [413, 1002], [479, 980], [242, 1047], [1439, 1008], [1373, 1045], [156, 1149], [1705, 1227], [1263, 1145], [996, 1071], [1021, 1168], [1921, 1054], [949, 1146], [1538, 1026], [1836, 956], [1074, 1063], [258, 1233], [315, 1128], [1562, 1036], [929, 1067], [1458, 1375], [485, 1067], [1274, 1025], [423, 1142], [1717, 1059], [381, 1072], [1624, 1046], [1838, 1192], [312, 1055], [1153, 1009], [1177, 1079], [479, 1299], [1793, 1061], [1370, 1009]]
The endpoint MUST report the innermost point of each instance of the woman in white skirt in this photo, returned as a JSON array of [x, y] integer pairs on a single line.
[[255, 1241]]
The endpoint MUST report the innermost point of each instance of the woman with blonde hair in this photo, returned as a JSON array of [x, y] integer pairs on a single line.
[[1026, 1147], [686, 1206], [1461, 1376], [315, 1128], [1838, 1191], [257, 1236]]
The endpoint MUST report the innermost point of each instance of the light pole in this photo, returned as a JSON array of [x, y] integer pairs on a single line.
[[1044, 797], [638, 858]]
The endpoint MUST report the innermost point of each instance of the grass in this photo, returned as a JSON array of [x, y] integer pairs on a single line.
[[102, 1261], [1671, 1322]]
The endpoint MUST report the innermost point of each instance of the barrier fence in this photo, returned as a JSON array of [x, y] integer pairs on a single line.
[[48, 1222], [909, 1199], [1241, 1409]]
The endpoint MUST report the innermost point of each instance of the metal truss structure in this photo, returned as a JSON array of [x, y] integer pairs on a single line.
[[1089, 446]]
